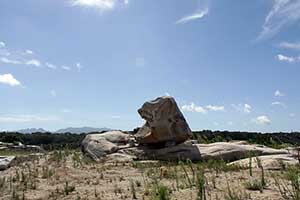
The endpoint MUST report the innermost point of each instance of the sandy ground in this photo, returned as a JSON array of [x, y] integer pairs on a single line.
[[69, 176]]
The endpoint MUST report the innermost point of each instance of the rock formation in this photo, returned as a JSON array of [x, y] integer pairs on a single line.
[[164, 123], [100, 145], [5, 161]]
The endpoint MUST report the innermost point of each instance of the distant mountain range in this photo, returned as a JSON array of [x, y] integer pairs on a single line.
[[79, 130], [76, 130], [32, 130]]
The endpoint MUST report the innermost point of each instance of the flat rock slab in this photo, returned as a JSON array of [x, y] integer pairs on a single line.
[[5, 161], [231, 151], [270, 162], [203, 152]]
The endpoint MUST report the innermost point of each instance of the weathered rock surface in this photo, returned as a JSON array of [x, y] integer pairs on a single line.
[[164, 122], [5, 161], [202, 152], [100, 145], [231, 151], [271, 162]]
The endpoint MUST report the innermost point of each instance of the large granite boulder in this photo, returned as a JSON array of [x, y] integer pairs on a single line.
[[99, 145], [164, 122], [5, 161]]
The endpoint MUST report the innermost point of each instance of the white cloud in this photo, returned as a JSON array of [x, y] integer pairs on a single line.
[[9, 79], [51, 66], [25, 118], [246, 108], [101, 5], [292, 114], [33, 62], [215, 108], [279, 94], [65, 110], [193, 108], [197, 15], [2, 44], [79, 67], [67, 68], [53, 93], [28, 51], [282, 14], [284, 58], [277, 103], [9, 61], [262, 120], [290, 45], [116, 117]]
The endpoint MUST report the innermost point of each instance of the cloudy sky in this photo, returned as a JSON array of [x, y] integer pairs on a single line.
[[231, 65]]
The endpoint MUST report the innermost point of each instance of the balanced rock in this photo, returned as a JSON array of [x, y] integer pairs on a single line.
[[99, 145], [164, 122]]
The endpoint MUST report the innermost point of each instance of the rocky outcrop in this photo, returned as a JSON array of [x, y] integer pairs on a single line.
[[231, 151], [5, 161], [99, 145], [164, 123], [270, 162], [165, 137], [202, 152]]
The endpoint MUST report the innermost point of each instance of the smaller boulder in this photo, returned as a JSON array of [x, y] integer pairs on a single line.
[[5, 161], [270, 162], [99, 145]]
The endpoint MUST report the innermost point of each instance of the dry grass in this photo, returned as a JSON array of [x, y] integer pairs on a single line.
[[69, 175]]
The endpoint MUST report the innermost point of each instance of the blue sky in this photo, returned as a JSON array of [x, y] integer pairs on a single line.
[[230, 65]]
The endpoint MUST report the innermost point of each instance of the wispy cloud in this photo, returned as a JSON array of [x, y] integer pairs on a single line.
[[262, 120], [278, 103], [33, 62], [65, 110], [25, 118], [278, 93], [290, 45], [215, 108], [79, 66], [2, 44], [9, 79], [197, 15], [101, 5], [288, 59], [10, 61], [194, 108], [67, 68], [245, 108], [282, 14], [51, 66], [28, 51], [29, 58]]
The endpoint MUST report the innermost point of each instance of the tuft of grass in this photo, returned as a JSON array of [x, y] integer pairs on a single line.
[[201, 184], [161, 192], [290, 190], [235, 195], [132, 188]]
